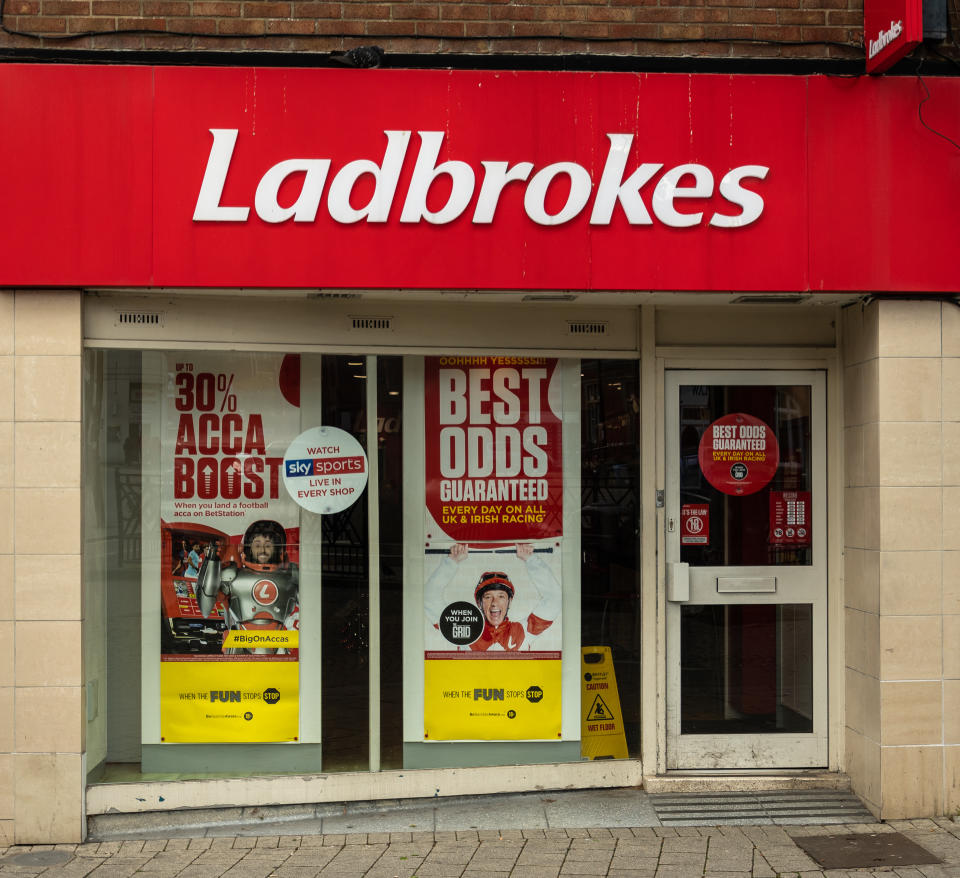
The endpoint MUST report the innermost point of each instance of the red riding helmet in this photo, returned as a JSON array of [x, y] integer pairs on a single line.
[[491, 581]]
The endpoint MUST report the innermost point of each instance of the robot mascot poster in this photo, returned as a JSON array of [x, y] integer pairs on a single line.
[[494, 528], [229, 667]]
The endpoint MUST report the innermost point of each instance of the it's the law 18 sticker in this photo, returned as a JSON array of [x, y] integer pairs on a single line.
[[695, 524], [325, 470], [739, 454]]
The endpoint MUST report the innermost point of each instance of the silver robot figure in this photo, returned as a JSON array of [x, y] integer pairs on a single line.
[[262, 585]]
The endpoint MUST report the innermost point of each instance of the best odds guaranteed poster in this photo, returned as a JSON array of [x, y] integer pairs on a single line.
[[229, 665], [492, 565]]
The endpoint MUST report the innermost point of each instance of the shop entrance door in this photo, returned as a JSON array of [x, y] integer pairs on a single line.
[[746, 565]]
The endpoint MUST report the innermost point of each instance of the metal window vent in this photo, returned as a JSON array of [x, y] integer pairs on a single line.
[[774, 299], [331, 296], [381, 324], [550, 297], [580, 327], [139, 318]]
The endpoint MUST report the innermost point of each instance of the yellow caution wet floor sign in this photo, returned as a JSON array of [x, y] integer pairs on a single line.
[[601, 720]]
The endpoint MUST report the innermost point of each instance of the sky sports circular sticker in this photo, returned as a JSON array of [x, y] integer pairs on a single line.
[[325, 470], [739, 454]]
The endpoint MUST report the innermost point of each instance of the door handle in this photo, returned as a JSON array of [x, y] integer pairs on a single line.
[[678, 581]]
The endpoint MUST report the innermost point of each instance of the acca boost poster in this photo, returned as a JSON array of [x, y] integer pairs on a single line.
[[494, 529], [229, 549]]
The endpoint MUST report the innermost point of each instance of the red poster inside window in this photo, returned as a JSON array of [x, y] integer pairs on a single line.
[[739, 454], [694, 524], [494, 466], [789, 518]]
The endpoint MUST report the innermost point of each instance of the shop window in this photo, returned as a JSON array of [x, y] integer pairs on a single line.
[[610, 466], [258, 561]]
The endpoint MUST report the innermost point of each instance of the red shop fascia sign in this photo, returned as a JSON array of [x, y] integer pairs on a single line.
[[223, 177]]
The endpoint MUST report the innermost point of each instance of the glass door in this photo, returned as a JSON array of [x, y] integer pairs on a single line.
[[746, 570]]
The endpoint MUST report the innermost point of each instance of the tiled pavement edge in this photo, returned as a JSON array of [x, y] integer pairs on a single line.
[[644, 852]]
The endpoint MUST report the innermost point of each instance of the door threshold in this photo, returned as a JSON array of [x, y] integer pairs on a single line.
[[739, 780]]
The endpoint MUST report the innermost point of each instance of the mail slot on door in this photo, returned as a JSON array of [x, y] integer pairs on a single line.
[[745, 585]]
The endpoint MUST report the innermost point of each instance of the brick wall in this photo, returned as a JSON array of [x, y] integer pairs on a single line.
[[664, 28]]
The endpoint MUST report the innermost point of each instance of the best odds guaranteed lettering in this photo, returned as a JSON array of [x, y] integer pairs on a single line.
[[493, 442], [739, 441]]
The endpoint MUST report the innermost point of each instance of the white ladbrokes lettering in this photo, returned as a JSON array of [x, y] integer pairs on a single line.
[[612, 189], [884, 38]]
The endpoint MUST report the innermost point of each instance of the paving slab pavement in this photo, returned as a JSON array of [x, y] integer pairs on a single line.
[[759, 851]]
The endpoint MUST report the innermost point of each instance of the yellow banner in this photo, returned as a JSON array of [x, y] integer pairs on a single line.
[[229, 701], [491, 699], [601, 719], [282, 639]]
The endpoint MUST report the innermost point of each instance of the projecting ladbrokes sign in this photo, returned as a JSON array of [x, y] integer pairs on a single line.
[[640, 190]]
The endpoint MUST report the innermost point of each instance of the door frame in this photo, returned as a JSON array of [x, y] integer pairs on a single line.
[[802, 584], [656, 360]]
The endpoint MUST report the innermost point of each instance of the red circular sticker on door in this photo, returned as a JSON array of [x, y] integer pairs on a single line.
[[739, 454]]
